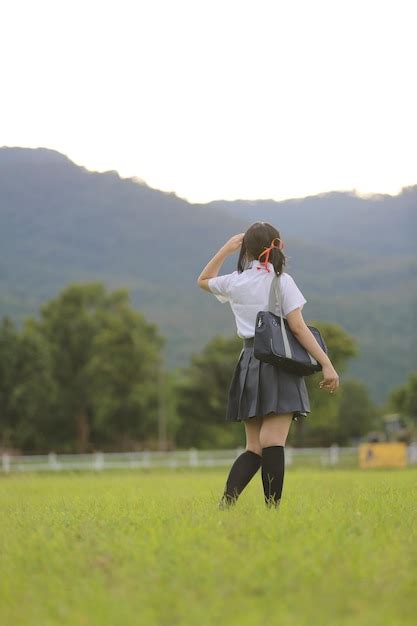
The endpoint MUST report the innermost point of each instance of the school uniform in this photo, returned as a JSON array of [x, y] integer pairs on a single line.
[[258, 388]]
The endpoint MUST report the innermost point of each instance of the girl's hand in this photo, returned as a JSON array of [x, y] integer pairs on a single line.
[[330, 378], [233, 244]]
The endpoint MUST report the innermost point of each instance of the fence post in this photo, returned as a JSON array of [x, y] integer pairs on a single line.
[[52, 460], [5, 459], [334, 454], [146, 459], [193, 457], [99, 461], [289, 457]]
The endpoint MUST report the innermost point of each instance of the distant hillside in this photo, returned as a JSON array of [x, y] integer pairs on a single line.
[[380, 225], [353, 258]]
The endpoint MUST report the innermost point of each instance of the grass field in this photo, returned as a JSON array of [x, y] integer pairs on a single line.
[[149, 548]]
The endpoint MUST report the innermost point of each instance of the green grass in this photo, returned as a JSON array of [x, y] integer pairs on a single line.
[[151, 548]]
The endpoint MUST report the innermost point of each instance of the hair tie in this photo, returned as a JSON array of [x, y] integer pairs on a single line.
[[267, 252]]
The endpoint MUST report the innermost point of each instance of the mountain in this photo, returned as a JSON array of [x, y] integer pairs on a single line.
[[382, 224], [353, 257]]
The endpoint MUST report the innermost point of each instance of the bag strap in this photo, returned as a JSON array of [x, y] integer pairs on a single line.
[[275, 291], [275, 297]]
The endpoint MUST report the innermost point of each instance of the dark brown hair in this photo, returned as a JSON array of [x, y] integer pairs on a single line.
[[257, 238]]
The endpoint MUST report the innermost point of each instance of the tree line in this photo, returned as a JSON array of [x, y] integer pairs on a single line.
[[88, 374]]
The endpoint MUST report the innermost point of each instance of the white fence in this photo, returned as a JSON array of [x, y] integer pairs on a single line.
[[192, 458]]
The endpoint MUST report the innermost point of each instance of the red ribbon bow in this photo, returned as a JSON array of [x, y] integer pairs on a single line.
[[267, 252]]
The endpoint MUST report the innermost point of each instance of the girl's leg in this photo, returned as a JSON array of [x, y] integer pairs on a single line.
[[272, 437], [253, 429], [246, 465]]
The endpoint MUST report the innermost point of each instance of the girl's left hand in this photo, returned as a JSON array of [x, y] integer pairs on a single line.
[[234, 243]]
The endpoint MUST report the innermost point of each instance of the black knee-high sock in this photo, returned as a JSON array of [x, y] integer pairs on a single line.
[[273, 469], [243, 469]]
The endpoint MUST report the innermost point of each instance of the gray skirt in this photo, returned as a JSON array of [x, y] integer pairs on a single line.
[[258, 388]]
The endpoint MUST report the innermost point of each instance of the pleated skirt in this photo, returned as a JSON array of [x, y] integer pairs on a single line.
[[258, 388]]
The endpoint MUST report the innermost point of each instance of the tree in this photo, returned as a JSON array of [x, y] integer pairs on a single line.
[[404, 399], [8, 368], [357, 414], [320, 427], [202, 395], [27, 389], [104, 359]]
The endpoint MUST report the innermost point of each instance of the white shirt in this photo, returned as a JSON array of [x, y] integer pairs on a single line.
[[248, 292]]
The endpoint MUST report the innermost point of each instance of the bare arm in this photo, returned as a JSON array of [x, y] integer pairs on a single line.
[[304, 335], [213, 266]]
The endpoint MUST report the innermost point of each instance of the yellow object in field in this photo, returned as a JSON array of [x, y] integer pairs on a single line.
[[383, 454]]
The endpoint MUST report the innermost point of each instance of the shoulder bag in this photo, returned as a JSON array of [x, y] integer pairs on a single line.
[[275, 343]]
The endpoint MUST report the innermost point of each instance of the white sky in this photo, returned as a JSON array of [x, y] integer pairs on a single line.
[[217, 98]]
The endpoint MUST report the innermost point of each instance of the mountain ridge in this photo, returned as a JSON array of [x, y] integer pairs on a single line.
[[61, 222]]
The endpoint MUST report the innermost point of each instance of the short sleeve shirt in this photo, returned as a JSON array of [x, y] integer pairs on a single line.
[[248, 292]]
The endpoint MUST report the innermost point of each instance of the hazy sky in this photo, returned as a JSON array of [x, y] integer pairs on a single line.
[[218, 98]]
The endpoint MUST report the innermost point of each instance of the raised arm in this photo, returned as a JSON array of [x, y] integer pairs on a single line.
[[213, 266]]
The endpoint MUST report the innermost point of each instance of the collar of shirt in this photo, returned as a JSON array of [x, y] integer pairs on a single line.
[[255, 263]]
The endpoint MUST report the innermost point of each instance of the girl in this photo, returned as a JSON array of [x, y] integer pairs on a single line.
[[263, 396]]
